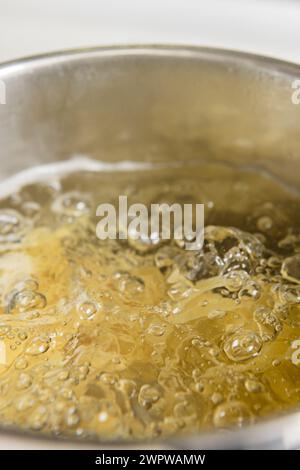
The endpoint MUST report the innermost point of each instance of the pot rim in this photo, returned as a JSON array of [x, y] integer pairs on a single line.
[[275, 430]]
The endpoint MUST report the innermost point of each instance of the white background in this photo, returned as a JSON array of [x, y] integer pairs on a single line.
[[270, 27]]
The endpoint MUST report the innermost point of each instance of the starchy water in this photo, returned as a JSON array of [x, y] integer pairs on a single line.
[[136, 339]]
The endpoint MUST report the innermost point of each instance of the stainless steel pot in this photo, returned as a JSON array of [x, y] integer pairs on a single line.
[[155, 104]]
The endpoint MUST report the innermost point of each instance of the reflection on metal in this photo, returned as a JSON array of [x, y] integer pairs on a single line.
[[2, 92]]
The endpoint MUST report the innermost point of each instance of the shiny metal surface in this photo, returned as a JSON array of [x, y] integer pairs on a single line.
[[156, 104]]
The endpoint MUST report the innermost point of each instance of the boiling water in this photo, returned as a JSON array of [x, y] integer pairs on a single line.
[[132, 339]]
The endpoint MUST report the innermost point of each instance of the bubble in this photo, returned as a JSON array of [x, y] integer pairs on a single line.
[[108, 416], [38, 419], [264, 223], [148, 395], [290, 269], [12, 226], [27, 284], [184, 410], [268, 322], [236, 259], [26, 300], [276, 362], [179, 290], [11, 334], [24, 381], [38, 345], [242, 346], [164, 258], [127, 387], [63, 375], [155, 330], [22, 335], [197, 342], [108, 378], [21, 363], [216, 313], [252, 290], [66, 393], [72, 417], [72, 204], [171, 425], [274, 262], [31, 208], [31, 315], [87, 310], [116, 360], [81, 372], [232, 414], [4, 330], [253, 386], [24, 402], [199, 386], [235, 280], [129, 284], [143, 243], [289, 294], [290, 242], [217, 398]]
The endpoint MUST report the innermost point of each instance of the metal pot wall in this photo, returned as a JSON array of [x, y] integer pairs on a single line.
[[155, 104]]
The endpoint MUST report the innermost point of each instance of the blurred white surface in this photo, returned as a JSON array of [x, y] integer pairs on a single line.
[[270, 27]]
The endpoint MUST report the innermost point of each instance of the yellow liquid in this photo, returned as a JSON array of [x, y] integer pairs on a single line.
[[132, 340]]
